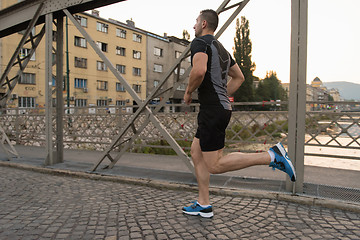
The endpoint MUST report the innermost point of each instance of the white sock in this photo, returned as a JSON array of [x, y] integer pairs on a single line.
[[272, 155], [203, 206]]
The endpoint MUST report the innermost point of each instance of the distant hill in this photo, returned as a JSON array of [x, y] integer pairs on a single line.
[[348, 90]]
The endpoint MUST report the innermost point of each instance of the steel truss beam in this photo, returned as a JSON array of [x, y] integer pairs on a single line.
[[9, 83], [133, 94], [5, 140], [123, 144], [29, 13], [54, 153], [17, 17], [49, 159], [297, 100], [26, 15], [47, 29], [5, 81]]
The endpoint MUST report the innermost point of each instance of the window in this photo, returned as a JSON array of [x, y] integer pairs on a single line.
[[137, 88], [121, 68], [82, 20], [182, 71], [53, 81], [137, 37], [27, 78], [102, 27], [136, 71], [120, 87], [182, 87], [136, 54], [101, 102], [102, 85], [24, 52], [26, 102], [158, 52], [80, 62], [158, 68], [80, 102], [177, 54], [120, 103], [80, 83], [80, 42], [120, 51], [156, 83], [101, 66], [102, 46], [120, 33]]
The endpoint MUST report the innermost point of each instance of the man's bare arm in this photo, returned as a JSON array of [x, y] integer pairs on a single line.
[[197, 75], [237, 78]]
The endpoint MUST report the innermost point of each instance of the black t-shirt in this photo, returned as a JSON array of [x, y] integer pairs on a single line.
[[213, 89]]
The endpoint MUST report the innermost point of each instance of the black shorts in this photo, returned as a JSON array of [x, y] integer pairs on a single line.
[[212, 124]]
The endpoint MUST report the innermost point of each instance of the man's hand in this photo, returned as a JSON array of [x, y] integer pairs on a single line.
[[187, 98]]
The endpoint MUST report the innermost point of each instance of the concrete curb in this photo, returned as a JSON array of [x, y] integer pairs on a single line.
[[298, 199]]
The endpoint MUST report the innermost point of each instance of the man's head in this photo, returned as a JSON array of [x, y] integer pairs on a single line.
[[206, 23]]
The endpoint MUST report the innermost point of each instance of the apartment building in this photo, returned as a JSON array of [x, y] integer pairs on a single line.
[[141, 57], [91, 82], [178, 46], [162, 53]]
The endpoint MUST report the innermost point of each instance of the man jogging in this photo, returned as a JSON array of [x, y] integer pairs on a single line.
[[211, 66]]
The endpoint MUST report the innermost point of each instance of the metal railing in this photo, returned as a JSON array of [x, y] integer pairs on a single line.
[[250, 130], [331, 133]]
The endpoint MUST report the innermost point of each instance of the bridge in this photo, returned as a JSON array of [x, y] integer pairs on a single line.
[[27, 14]]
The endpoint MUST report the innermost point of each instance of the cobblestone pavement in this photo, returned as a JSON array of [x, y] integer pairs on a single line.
[[42, 206]]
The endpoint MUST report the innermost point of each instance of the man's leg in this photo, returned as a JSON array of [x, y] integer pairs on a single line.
[[213, 162], [202, 173], [216, 163], [202, 206]]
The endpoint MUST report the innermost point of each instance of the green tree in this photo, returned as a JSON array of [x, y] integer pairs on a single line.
[[242, 55], [270, 88], [261, 92]]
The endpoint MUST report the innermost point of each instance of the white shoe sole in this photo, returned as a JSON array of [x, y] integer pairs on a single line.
[[204, 215]]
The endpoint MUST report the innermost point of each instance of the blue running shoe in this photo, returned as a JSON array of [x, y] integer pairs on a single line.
[[195, 209], [282, 161]]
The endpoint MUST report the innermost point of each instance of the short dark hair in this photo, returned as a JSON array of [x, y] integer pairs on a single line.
[[211, 17]]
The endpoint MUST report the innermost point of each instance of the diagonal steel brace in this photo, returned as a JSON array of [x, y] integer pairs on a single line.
[[142, 107], [5, 140], [222, 8], [10, 83], [4, 76]]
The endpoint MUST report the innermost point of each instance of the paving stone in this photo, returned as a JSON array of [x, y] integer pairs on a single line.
[[135, 235], [150, 237], [45, 206]]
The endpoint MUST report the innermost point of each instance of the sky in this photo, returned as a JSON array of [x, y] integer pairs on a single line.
[[333, 32]]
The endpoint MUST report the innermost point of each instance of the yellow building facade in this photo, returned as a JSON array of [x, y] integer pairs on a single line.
[[90, 80], [91, 83]]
